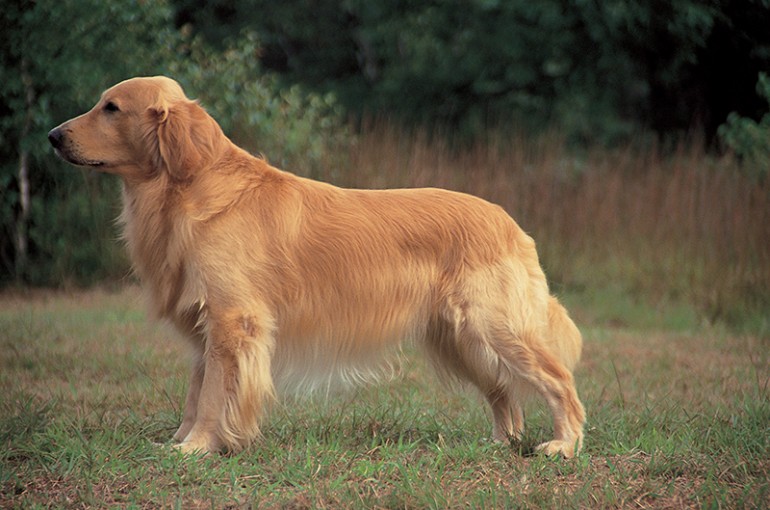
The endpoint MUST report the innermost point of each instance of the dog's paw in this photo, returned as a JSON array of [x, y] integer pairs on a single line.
[[193, 448], [566, 449]]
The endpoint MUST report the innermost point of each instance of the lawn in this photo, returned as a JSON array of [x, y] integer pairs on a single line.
[[678, 416]]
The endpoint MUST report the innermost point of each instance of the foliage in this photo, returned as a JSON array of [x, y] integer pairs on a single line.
[[49, 72], [52, 71], [599, 70], [293, 129], [748, 138]]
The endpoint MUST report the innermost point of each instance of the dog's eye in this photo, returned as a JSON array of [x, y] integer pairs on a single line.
[[111, 107]]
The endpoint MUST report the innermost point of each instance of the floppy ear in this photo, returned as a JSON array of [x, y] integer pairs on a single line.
[[186, 137]]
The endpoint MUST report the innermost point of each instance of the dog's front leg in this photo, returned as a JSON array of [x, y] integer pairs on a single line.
[[191, 401], [203, 434], [235, 384]]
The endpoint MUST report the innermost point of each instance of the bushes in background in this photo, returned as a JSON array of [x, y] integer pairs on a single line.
[[56, 221], [750, 139]]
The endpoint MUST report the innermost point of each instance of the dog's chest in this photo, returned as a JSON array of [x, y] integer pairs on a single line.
[[160, 248]]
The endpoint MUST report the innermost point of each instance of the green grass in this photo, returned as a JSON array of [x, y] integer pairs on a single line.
[[678, 416]]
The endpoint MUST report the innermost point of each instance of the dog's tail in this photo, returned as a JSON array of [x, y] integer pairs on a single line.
[[563, 337]]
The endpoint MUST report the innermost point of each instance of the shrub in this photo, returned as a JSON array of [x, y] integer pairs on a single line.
[[292, 128], [750, 139], [51, 72]]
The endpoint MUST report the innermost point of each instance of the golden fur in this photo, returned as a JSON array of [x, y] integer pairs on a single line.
[[273, 276]]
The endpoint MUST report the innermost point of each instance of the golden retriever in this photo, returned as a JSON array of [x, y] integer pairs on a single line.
[[274, 277]]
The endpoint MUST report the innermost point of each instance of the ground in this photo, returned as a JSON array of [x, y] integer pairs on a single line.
[[91, 392]]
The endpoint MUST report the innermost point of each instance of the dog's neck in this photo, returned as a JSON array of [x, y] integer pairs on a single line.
[[155, 234], [160, 218]]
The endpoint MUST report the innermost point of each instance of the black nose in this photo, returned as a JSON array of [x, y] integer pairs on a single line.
[[55, 137]]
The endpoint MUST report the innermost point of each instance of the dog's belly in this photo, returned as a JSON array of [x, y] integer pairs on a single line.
[[348, 342]]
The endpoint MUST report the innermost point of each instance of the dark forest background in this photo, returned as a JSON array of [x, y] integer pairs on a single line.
[[602, 70]]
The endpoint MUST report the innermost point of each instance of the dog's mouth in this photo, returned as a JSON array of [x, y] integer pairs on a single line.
[[67, 152], [78, 161]]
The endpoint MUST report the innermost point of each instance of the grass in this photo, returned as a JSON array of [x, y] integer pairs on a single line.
[[678, 416]]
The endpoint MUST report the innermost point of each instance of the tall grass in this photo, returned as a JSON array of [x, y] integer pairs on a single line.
[[663, 226]]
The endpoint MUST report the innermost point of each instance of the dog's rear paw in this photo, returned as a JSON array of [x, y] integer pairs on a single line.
[[566, 449]]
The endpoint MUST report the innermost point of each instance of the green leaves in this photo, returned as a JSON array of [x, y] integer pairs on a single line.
[[294, 129], [52, 71], [601, 71], [750, 139]]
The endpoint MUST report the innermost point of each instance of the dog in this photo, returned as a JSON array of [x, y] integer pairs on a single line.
[[273, 277]]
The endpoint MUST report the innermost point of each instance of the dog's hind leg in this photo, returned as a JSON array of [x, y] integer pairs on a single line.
[[459, 352], [507, 416], [551, 379], [513, 360], [488, 351]]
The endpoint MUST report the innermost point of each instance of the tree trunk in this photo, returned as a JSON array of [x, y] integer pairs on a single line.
[[22, 245], [22, 240]]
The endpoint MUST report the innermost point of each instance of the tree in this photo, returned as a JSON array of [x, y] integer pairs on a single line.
[[599, 70], [55, 221], [49, 71]]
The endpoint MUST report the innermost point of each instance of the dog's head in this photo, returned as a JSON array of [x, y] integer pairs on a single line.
[[139, 128]]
